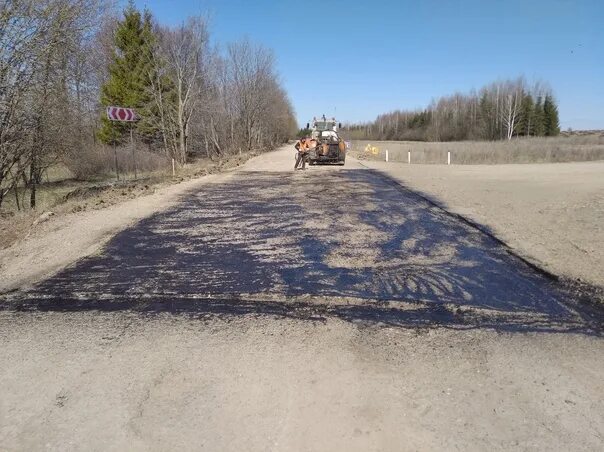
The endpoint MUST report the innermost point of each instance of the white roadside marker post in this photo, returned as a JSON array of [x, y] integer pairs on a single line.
[[448, 157], [386, 154], [173, 169], [409, 157]]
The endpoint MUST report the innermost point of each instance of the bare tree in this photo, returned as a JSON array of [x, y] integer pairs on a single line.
[[38, 41], [24, 29], [184, 51], [251, 76], [236, 101]]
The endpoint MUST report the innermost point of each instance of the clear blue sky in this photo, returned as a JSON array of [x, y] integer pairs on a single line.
[[362, 58]]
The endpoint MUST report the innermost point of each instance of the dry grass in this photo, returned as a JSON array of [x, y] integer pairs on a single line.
[[99, 162], [522, 150], [90, 167]]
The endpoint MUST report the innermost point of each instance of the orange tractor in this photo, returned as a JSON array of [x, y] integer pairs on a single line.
[[325, 145]]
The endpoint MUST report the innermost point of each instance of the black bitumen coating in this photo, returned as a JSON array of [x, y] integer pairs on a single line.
[[264, 243]]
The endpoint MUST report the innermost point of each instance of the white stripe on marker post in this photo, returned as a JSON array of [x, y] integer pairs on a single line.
[[448, 157]]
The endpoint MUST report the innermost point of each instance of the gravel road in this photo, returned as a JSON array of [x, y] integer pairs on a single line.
[[329, 309]]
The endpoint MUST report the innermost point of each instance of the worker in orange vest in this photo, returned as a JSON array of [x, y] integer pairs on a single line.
[[302, 147]]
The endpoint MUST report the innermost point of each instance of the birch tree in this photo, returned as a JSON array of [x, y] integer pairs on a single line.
[[512, 98]]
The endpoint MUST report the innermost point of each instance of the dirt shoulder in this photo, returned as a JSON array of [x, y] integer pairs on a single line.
[[119, 381], [551, 214], [82, 227]]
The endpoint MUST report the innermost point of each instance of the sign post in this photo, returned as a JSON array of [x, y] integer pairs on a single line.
[[133, 151], [117, 169], [121, 114]]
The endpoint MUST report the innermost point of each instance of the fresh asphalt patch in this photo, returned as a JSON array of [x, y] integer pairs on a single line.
[[347, 243]]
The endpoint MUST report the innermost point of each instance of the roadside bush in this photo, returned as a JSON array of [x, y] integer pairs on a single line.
[[98, 161]]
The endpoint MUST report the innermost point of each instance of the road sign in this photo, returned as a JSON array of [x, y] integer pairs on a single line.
[[121, 114], [373, 149]]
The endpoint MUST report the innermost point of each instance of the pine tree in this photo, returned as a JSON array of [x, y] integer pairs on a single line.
[[526, 121], [129, 74], [149, 126], [539, 127], [551, 122], [487, 117]]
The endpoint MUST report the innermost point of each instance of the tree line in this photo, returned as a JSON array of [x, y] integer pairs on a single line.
[[501, 110], [62, 62]]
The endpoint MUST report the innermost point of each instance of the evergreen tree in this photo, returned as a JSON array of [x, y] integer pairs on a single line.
[[303, 133], [129, 75], [487, 117], [526, 121], [146, 124], [551, 122], [539, 127]]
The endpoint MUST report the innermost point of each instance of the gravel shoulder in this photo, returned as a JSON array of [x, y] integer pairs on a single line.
[[550, 214]]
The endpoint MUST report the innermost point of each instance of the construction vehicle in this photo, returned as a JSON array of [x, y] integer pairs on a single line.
[[330, 147]]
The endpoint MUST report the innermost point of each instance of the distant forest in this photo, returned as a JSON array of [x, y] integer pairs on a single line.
[[499, 111]]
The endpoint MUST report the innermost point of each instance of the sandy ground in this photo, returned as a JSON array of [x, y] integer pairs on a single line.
[[278, 379], [551, 214], [124, 382]]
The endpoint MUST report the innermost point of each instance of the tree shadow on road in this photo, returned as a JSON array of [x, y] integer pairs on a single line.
[[263, 243]]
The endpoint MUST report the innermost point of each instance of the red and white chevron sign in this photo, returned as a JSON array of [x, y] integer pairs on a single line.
[[121, 114]]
